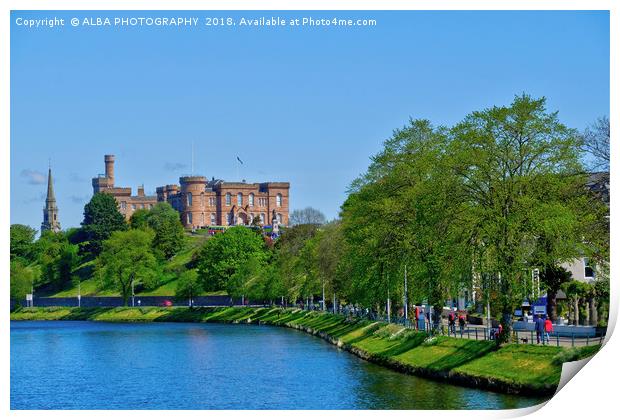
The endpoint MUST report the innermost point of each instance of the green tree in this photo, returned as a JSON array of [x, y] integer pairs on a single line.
[[188, 286], [57, 258], [553, 277], [21, 279], [169, 233], [222, 255], [22, 242], [139, 219], [101, 219], [508, 158], [126, 260]]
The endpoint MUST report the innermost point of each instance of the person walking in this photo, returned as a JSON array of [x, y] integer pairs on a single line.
[[417, 317], [462, 323], [539, 326], [451, 323], [548, 330]]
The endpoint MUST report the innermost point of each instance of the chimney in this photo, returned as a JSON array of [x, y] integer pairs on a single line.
[[109, 169], [141, 191]]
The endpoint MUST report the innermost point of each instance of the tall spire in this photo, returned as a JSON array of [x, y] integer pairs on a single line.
[[50, 212]]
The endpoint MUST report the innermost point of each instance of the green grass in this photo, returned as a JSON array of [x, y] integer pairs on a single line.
[[512, 368]]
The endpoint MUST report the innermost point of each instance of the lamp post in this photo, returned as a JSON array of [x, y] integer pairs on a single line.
[[79, 294], [133, 303]]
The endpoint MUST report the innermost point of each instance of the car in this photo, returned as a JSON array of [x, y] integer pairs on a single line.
[[166, 303]]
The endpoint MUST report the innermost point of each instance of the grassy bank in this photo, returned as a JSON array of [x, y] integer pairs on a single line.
[[513, 368]]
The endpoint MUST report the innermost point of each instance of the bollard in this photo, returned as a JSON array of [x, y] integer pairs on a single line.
[[532, 337], [557, 338], [587, 340], [573, 339]]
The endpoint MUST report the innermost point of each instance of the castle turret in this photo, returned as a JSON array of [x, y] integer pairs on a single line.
[[50, 212], [109, 169]]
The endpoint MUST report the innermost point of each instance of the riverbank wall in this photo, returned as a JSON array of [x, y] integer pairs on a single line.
[[512, 368]]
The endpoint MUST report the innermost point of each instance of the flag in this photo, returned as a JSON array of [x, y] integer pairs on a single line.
[[240, 161]]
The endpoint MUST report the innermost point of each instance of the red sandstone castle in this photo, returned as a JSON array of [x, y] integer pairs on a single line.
[[201, 202]]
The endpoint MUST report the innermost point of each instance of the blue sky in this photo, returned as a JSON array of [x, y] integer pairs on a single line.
[[305, 105]]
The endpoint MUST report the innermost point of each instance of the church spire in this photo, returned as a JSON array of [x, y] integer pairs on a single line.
[[50, 212]]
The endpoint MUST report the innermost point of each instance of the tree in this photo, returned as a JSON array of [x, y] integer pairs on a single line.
[[101, 219], [21, 279], [126, 260], [222, 255], [596, 144], [169, 233], [508, 158], [139, 219], [309, 215], [57, 258], [575, 291], [22, 242], [553, 277], [188, 286]]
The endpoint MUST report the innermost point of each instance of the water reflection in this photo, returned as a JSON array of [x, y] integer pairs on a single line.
[[84, 365]]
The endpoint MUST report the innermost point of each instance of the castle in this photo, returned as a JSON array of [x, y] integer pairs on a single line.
[[202, 202]]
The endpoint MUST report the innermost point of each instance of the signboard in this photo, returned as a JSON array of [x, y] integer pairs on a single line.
[[540, 310], [29, 296]]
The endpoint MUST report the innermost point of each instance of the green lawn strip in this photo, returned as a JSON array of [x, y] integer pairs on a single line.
[[517, 364]]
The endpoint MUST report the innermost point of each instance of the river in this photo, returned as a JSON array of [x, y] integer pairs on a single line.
[[94, 365]]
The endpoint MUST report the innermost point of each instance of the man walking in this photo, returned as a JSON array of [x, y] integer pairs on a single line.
[[539, 325]]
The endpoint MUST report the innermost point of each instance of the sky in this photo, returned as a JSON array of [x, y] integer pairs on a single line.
[[307, 105]]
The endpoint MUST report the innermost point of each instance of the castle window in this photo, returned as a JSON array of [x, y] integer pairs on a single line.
[[279, 200], [133, 206], [239, 199], [189, 198], [262, 218], [212, 201], [189, 218], [212, 219], [203, 219], [279, 217], [123, 205], [228, 199], [251, 200]]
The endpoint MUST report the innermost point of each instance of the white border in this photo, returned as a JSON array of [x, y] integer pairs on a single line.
[[592, 394]]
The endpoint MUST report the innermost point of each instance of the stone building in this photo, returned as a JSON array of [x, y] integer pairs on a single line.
[[127, 203], [214, 202], [202, 202], [50, 212]]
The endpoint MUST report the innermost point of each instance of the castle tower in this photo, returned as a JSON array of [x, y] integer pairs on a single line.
[[50, 212]]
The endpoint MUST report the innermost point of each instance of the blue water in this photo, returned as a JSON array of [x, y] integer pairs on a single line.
[[92, 365]]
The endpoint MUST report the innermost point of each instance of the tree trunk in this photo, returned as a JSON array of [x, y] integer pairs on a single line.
[[593, 311], [587, 313], [576, 311], [437, 311], [552, 305]]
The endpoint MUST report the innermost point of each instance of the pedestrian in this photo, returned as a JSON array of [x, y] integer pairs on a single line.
[[548, 329], [451, 323], [539, 326], [500, 328], [417, 317], [462, 323]]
